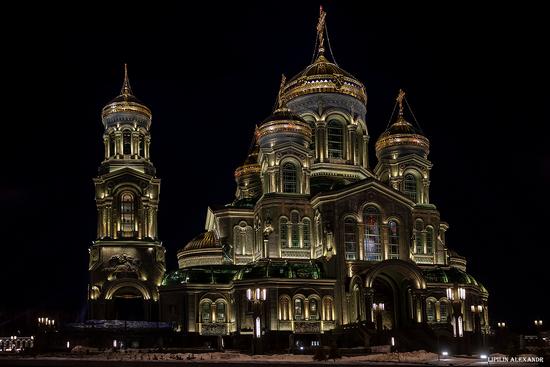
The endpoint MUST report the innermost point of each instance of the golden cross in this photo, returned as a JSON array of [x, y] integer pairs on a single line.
[[399, 100], [321, 29]]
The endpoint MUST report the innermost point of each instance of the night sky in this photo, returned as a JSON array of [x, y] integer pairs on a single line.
[[476, 80]]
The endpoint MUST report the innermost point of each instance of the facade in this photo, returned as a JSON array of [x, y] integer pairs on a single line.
[[316, 240], [127, 260]]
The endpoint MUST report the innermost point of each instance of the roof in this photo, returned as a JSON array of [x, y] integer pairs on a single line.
[[305, 269], [451, 275], [214, 274], [283, 114], [204, 240]]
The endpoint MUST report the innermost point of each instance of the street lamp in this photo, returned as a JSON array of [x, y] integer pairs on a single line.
[[477, 311], [538, 323], [457, 295], [257, 297], [501, 325]]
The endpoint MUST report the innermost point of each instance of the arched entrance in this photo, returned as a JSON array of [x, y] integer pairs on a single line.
[[396, 285], [128, 304]]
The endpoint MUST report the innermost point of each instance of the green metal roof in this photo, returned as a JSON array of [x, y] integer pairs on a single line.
[[451, 275], [306, 269], [215, 274]]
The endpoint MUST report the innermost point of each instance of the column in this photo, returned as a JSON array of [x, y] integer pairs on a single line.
[[322, 143], [361, 240], [426, 191], [369, 299], [106, 143], [147, 146], [352, 130], [365, 151]]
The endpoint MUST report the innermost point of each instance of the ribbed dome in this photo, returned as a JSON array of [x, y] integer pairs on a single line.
[[324, 76], [283, 114], [126, 102], [202, 241], [402, 134]]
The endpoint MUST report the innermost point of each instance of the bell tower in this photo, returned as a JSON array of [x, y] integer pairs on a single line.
[[127, 259]]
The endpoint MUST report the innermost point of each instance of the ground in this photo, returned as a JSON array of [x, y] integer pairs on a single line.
[[134, 358]]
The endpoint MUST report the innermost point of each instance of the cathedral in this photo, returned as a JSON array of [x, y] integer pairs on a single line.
[[316, 241]]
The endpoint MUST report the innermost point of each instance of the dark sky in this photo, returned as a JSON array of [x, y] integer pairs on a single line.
[[476, 80]]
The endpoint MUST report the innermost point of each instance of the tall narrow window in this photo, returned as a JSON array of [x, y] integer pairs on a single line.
[[313, 309], [350, 238], [443, 312], [335, 139], [127, 142], [290, 178], [220, 311], [306, 232], [284, 308], [141, 146], [206, 310], [430, 310], [298, 309], [295, 230], [373, 246], [127, 216], [429, 240], [418, 242], [112, 145], [410, 187], [393, 238], [283, 232]]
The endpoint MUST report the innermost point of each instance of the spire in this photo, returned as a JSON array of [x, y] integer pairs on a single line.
[[321, 30], [280, 101], [126, 89]]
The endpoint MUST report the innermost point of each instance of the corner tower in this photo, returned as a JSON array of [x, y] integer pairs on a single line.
[[127, 259], [334, 103]]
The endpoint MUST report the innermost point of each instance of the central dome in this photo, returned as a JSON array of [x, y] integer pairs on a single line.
[[324, 76]]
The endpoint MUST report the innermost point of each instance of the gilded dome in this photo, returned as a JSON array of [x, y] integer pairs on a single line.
[[324, 76], [402, 134], [126, 103], [283, 121], [203, 241]]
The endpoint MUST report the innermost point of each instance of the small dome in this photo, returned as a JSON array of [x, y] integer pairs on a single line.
[[284, 124], [324, 77], [120, 108], [283, 114], [202, 241], [402, 135]]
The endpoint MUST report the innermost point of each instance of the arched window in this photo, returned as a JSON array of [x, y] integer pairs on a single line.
[[373, 246], [283, 232], [429, 240], [298, 309], [430, 310], [243, 239], [393, 238], [350, 238], [418, 243], [335, 134], [141, 146], [313, 309], [127, 142], [284, 308], [220, 311], [295, 230], [410, 187], [355, 303], [127, 216], [112, 145], [206, 311], [306, 232], [328, 306], [443, 311], [290, 178]]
